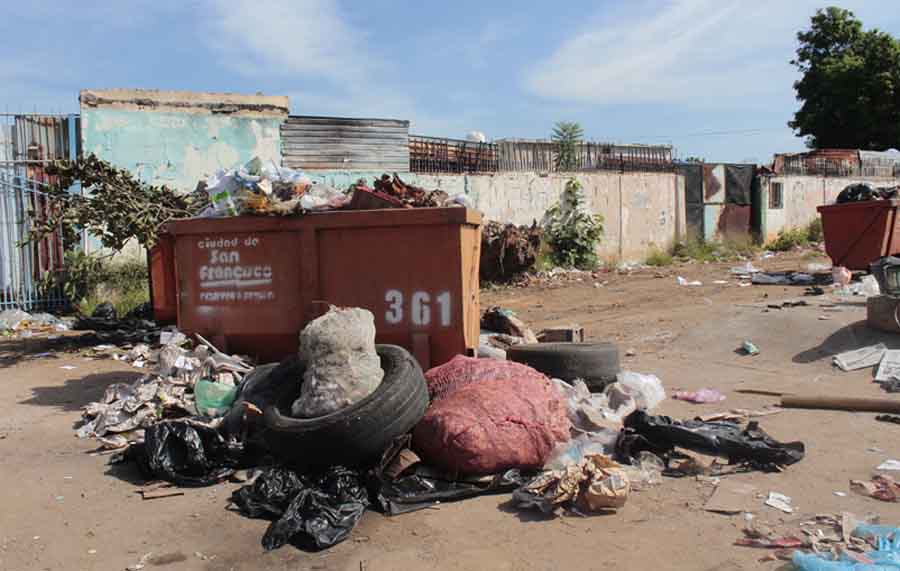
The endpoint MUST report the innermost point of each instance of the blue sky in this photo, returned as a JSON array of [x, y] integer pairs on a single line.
[[710, 77]]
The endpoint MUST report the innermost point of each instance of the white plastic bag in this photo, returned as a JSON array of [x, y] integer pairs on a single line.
[[322, 196], [342, 366], [647, 390], [575, 450], [13, 318]]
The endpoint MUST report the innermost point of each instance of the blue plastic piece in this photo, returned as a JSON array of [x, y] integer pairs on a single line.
[[886, 557]]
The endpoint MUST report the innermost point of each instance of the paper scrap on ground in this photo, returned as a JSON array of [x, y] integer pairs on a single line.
[[731, 497], [780, 502], [684, 282], [889, 369], [891, 465], [860, 358], [68, 367]]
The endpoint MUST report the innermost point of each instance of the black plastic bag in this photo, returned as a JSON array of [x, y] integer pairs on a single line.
[[422, 489], [661, 434], [185, 453], [394, 493], [311, 512]]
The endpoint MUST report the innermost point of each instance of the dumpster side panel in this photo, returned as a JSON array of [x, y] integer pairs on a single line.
[[163, 291], [241, 289], [408, 277], [857, 234]]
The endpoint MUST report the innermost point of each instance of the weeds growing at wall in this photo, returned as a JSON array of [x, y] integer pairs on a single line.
[[90, 279], [572, 232], [797, 237], [659, 257]]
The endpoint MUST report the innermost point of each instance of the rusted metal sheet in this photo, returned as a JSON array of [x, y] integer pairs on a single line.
[[821, 162], [336, 143], [713, 183], [252, 283], [734, 221]]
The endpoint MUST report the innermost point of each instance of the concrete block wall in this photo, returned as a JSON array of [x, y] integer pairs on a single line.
[[801, 195], [640, 210]]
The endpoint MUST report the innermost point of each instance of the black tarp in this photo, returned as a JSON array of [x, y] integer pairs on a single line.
[[738, 184]]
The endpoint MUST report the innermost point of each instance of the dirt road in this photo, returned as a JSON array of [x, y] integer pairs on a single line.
[[64, 508]]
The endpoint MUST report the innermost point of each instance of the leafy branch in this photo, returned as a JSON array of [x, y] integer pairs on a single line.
[[114, 205]]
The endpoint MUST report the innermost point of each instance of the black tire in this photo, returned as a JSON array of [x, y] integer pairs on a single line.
[[596, 363], [358, 434], [260, 388]]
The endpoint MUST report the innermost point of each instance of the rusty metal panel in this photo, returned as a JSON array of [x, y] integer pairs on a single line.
[[734, 221], [252, 283], [713, 183], [336, 143]]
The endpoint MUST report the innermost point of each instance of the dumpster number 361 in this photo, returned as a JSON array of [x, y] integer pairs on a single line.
[[420, 307]]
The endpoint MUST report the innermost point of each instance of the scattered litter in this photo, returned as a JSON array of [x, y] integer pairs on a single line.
[[780, 501], [720, 282], [749, 348], [782, 278], [860, 358], [595, 483], [141, 564], [840, 494], [740, 414], [702, 396], [684, 282], [159, 490], [889, 465], [888, 418], [68, 367], [889, 368], [745, 270], [881, 487], [841, 276], [503, 321]]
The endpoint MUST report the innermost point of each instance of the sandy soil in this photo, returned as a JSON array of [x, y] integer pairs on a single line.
[[64, 508]]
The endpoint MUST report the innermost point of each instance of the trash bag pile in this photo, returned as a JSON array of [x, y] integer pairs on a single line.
[[861, 192]]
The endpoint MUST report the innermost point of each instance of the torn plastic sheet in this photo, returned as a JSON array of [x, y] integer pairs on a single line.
[[422, 486], [185, 452], [310, 512], [661, 435]]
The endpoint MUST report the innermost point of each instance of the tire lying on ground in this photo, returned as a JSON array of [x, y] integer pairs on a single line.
[[596, 363], [358, 433]]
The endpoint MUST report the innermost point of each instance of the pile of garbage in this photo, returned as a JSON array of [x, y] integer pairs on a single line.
[[269, 190], [200, 382], [507, 250], [861, 192], [347, 425], [24, 324]]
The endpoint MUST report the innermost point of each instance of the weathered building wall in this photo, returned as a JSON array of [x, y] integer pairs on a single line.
[[800, 197], [640, 210], [179, 138]]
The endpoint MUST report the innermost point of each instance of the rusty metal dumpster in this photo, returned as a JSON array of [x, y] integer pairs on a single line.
[[252, 283], [859, 233]]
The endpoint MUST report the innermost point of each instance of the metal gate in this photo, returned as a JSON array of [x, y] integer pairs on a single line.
[[28, 142]]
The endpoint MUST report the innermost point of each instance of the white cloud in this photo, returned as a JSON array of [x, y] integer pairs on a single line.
[[680, 51], [289, 37]]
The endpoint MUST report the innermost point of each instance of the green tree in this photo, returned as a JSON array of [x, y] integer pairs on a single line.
[[567, 136], [850, 85]]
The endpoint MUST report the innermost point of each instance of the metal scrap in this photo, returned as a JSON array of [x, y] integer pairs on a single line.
[[412, 196]]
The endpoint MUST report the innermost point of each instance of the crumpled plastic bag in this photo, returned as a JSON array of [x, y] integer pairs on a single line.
[[661, 435], [311, 512], [596, 483], [13, 319], [186, 453], [323, 197], [342, 366]]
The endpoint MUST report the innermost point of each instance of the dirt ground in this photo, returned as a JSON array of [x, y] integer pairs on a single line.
[[63, 507]]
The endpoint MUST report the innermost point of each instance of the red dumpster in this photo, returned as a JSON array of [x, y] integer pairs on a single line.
[[859, 233], [252, 283]]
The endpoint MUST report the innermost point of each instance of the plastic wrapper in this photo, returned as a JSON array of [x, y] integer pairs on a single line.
[[885, 557], [646, 390], [310, 512], [702, 396], [323, 197], [661, 435], [12, 319], [342, 364], [593, 484], [213, 398], [186, 453]]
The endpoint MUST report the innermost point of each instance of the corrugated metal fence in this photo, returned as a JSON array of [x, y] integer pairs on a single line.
[[334, 143], [27, 144]]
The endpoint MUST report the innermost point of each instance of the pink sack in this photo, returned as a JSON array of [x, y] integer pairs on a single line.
[[461, 371], [491, 426]]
